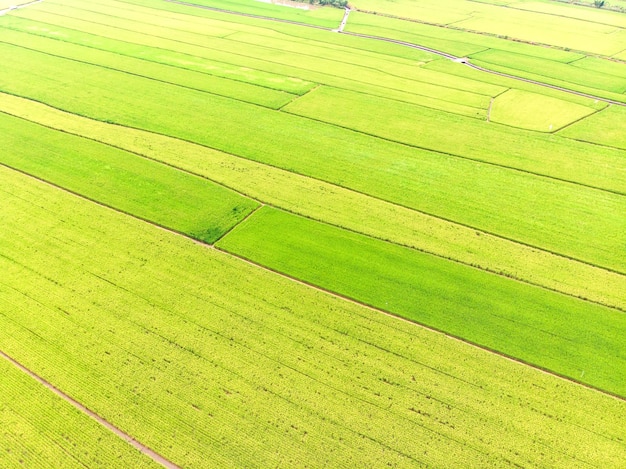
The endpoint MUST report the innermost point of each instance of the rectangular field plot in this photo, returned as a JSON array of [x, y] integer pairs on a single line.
[[203, 357], [450, 40], [600, 128], [535, 112], [551, 69], [135, 185], [608, 67], [505, 83], [343, 207], [457, 135], [486, 197], [557, 333], [39, 429], [173, 75]]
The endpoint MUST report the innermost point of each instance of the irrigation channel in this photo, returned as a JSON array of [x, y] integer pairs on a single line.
[[461, 60]]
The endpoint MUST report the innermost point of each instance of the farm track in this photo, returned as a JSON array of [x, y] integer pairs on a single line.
[[298, 281], [156, 457], [462, 60]]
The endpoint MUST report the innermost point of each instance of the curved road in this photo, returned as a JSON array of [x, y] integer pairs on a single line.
[[462, 60]]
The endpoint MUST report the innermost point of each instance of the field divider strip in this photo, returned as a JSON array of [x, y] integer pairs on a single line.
[[596, 111], [156, 457], [321, 289], [295, 98], [356, 191], [252, 212]]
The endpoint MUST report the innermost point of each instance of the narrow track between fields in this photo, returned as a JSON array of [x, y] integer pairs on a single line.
[[156, 457], [461, 60]]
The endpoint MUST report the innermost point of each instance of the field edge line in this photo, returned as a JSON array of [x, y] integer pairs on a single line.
[[156, 457]]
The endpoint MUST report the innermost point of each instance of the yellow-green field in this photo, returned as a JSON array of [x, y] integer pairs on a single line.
[[242, 238]]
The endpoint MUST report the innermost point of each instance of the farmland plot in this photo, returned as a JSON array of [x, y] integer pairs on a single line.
[[39, 429], [535, 112], [144, 188], [309, 378], [348, 209], [567, 336], [489, 198], [193, 119], [600, 128], [546, 23]]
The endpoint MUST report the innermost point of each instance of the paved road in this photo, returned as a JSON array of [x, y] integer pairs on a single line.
[[462, 60]]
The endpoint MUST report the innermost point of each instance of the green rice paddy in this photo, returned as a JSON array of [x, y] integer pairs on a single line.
[[257, 243]]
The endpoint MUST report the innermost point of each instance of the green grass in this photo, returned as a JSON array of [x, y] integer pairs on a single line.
[[453, 68], [143, 188], [560, 25], [39, 429], [265, 28], [593, 15], [181, 61], [568, 219], [453, 41], [535, 112], [607, 67], [600, 128], [561, 334], [167, 74], [339, 206], [457, 135], [553, 70], [205, 358], [346, 68]]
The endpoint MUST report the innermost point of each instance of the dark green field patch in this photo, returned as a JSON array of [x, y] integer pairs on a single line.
[[565, 335], [143, 188]]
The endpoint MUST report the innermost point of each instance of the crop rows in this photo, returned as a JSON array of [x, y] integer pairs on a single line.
[[336, 155], [351, 198], [146, 189], [39, 429], [348, 209], [307, 372], [539, 327]]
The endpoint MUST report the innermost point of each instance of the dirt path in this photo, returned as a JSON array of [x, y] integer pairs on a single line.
[[343, 21], [125, 436]]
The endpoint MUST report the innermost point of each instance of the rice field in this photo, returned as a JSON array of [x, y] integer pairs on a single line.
[[244, 239], [306, 372]]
